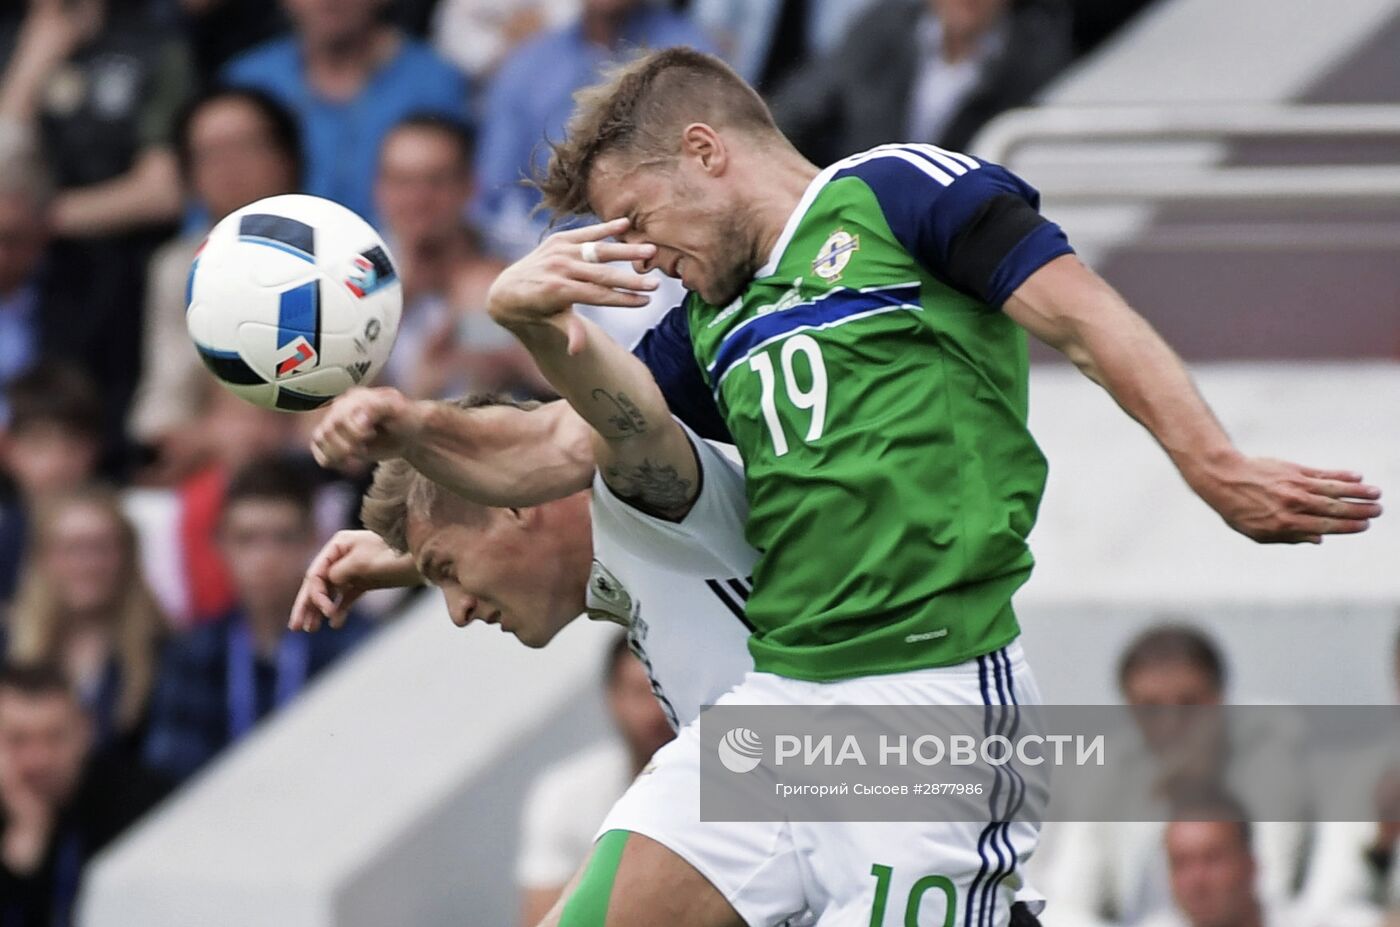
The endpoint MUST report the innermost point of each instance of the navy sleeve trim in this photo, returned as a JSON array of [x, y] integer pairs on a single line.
[[667, 351], [1045, 243], [979, 247], [971, 224]]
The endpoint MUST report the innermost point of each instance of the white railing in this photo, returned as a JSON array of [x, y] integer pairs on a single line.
[[1069, 175]]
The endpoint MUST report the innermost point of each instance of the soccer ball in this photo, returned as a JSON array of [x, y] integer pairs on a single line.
[[293, 300]]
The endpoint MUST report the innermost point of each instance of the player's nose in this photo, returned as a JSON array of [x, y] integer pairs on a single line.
[[462, 608]]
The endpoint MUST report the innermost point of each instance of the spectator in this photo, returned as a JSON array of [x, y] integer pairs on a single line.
[[25, 195], [531, 98], [923, 71], [477, 35], [53, 444], [220, 29], [84, 607], [59, 805], [1213, 870], [350, 78], [220, 679], [235, 147], [97, 83], [446, 343], [1354, 864], [766, 40], [1116, 870], [100, 85], [570, 799]]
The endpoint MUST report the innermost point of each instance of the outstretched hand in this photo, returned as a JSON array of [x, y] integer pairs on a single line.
[[543, 287], [349, 565], [1277, 502]]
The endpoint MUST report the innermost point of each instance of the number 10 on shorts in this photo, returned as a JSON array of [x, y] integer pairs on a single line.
[[922, 887]]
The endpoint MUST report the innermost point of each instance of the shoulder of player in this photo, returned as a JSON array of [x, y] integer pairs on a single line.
[[893, 172]]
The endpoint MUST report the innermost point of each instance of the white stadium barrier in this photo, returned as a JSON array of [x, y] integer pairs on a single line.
[[388, 794]]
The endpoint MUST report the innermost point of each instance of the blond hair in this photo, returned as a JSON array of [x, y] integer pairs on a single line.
[[639, 111], [399, 492], [39, 624]]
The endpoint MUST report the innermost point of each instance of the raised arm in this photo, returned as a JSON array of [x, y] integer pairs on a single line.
[[494, 455], [641, 452], [1072, 309]]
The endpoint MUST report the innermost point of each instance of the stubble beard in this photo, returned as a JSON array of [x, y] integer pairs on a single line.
[[736, 262]]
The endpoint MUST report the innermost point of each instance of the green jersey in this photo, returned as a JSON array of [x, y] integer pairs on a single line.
[[878, 398]]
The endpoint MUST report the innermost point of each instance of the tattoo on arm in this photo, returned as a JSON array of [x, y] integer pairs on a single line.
[[657, 490], [627, 420]]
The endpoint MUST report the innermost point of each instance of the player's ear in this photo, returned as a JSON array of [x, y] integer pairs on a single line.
[[702, 143]]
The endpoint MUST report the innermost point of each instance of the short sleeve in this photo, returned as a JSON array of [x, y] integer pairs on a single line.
[[667, 352], [972, 224], [708, 543]]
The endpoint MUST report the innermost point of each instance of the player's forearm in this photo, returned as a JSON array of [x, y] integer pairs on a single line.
[[1074, 311], [504, 456], [147, 194], [1148, 380], [640, 450]]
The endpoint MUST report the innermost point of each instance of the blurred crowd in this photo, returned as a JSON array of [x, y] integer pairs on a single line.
[[154, 529]]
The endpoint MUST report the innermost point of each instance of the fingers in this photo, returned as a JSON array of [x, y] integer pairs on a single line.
[[611, 251], [1348, 476], [1338, 508], [352, 424], [593, 232], [621, 278], [1311, 528], [1338, 488], [593, 294], [310, 604]]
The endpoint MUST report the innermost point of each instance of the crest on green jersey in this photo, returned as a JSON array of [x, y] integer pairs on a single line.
[[835, 254]]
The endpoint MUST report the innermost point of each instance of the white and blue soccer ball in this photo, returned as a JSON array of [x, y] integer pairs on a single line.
[[293, 300]]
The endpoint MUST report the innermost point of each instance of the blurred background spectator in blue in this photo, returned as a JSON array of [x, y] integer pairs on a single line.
[[476, 35], [350, 77], [447, 344], [220, 29], [98, 83], [766, 40], [60, 803], [218, 680], [932, 71], [84, 607], [52, 445], [235, 146], [531, 96]]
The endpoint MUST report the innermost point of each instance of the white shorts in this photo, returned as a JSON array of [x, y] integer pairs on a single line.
[[838, 872]]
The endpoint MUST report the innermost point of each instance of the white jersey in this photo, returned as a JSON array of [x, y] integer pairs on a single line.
[[683, 607]]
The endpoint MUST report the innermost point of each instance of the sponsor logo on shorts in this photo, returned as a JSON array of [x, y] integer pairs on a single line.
[[741, 750]]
